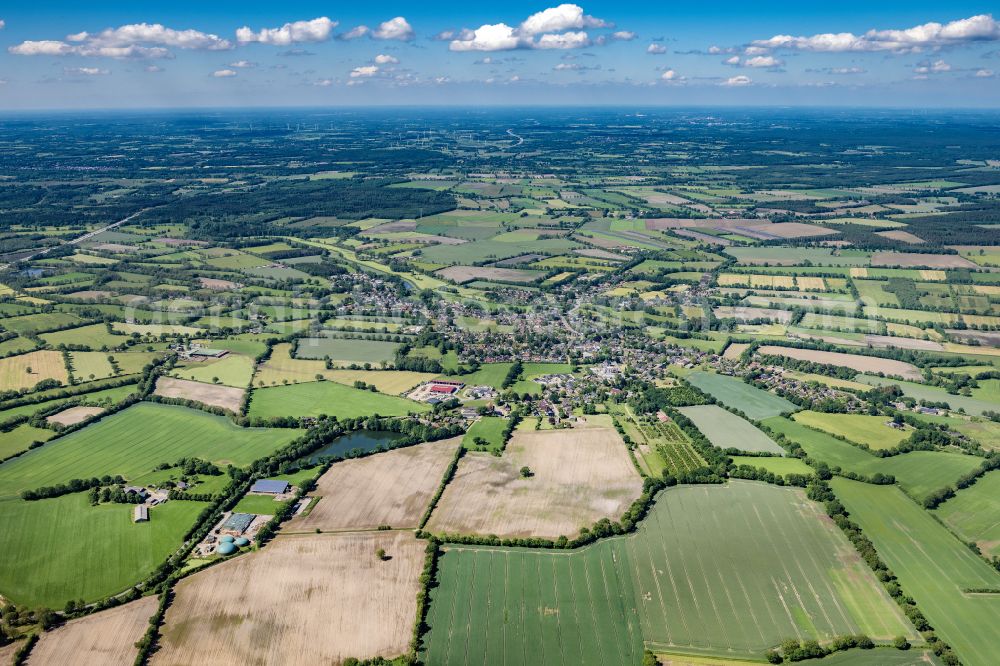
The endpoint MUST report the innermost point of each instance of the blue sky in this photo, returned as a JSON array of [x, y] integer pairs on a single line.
[[71, 55]]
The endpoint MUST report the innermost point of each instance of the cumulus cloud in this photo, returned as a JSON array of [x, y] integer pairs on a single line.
[[224, 73], [558, 19], [561, 27], [566, 40], [152, 69], [984, 74], [3, 24], [135, 40], [670, 76], [982, 27], [936, 67], [323, 83], [85, 71], [737, 81], [497, 37], [316, 30], [364, 72], [656, 49], [575, 67], [243, 64], [383, 59], [623, 36], [355, 33], [397, 28], [756, 62]]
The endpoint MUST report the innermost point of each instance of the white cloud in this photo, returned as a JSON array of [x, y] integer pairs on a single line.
[[397, 28], [127, 41], [927, 36], [656, 49], [624, 36], [737, 81], [732, 60], [3, 24], [85, 71], [316, 30], [153, 69], [383, 59], [936, 67], [323, 83], [498, 37], [364, 72], [243, 64], [558, 27], [763, 61], [355, 33], [224, 73], [441, 80], [558, 19], [984, 73], [670, 76], [566, 40], [847, 70]]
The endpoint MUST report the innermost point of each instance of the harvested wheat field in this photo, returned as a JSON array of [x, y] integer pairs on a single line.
[[74, 415], [281, 368], [857, 362], [735, 350], [14, 370], [7, 652], [578, 477], [306, 599], [391, 488], [104, 638], [216, 395]]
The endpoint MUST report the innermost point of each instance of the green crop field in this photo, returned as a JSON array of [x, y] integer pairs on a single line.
[[918, 472], [231, 370], [974, 513], [933, 567], [346, 350], [933, 394], [714, 570], [726, 430], [21, 437], [861, 428], [63, 548], [134, 441], [488, 374], [733, 392], [95, 336], [775, 465], [330, 398], [489, 428], [39, 322]]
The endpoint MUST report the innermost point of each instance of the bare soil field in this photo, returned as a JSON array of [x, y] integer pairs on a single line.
[[750, 314], [883, 341], [91, 294], [903, 236], [853, 361], [217, 284], [7, 652], [309, 599], [599, 254], [785, 230], [74, 415], [104, 638], [392, 488], [46, 364], [578, 477], [217, 395], [915, 260], [462, 274]]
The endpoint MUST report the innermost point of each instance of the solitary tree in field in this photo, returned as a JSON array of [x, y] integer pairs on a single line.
[[526, 472], [28, 369], [380, 554]]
